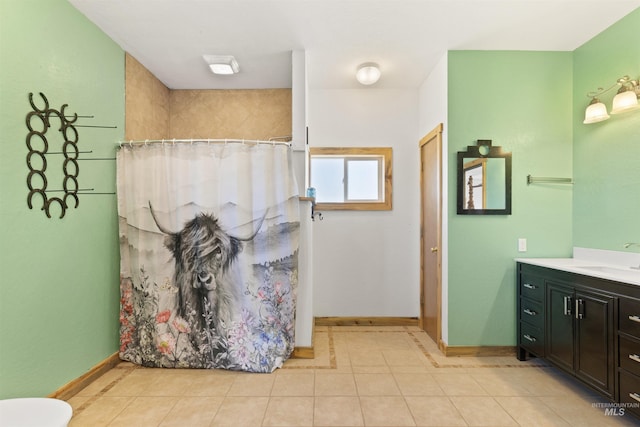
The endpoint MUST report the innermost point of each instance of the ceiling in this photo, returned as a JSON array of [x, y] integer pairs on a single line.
[[406, 38]]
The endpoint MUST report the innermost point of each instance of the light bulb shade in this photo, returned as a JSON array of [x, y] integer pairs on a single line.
[[624, 101], [368, 73], [595, 112]]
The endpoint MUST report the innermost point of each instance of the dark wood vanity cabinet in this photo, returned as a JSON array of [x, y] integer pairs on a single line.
[[531, 315], [590, 328], [629, 354]]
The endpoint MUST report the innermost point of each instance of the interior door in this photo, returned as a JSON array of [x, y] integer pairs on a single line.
[[431, 234]]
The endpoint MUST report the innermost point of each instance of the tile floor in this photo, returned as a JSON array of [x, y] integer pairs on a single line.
[[361, 376]]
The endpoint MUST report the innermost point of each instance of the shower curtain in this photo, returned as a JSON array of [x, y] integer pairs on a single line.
[[209, 254]]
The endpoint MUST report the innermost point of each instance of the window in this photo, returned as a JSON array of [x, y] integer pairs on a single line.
[[351, 178]]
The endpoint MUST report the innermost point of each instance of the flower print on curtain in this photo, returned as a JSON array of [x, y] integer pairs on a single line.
[[209, 246]]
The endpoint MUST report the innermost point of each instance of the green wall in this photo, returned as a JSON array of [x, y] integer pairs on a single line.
[[59, 277], [522, 101], [606, 159]]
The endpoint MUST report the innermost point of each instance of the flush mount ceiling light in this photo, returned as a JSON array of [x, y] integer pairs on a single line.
[[222, 64], [368, 73], [625, 100]]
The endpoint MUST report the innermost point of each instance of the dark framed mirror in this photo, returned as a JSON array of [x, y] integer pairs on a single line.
[[484, 180]]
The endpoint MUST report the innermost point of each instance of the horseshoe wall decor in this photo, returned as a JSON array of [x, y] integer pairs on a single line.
[[38, 123]]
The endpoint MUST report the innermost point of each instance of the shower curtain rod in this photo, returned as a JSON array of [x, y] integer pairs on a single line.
[[205, 141]]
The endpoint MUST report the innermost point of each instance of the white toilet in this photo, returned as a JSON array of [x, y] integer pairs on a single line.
[[34, 412]]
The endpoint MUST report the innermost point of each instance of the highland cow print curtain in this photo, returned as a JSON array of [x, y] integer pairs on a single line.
[[209, 244]]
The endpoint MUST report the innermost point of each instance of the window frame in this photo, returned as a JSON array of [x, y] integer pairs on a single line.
[[385, 176]]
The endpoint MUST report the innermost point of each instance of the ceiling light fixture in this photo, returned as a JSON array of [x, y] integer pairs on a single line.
[[222, 64], [368, 73], [625, 100]]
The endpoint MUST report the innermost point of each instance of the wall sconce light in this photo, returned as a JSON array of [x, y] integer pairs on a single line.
[[222, 64], [368, 73], [625, 100]]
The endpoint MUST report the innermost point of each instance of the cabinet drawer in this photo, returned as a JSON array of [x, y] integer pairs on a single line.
[[630, 391], [532, 339], [532, 287], [630, 355], [630, 316], [532, 312]]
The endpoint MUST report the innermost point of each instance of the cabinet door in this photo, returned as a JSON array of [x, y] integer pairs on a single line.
[[595, 362], [559, 334]]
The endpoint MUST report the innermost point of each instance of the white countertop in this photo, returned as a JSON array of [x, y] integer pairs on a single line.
[[595, 263]]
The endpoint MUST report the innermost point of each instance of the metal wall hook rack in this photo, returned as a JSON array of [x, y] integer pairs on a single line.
[[548, 180]]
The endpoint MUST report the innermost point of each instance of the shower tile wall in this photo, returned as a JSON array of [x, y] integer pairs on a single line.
[[154, 111]]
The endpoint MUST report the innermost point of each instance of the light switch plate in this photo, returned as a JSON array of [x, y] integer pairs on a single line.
[[522, 245]]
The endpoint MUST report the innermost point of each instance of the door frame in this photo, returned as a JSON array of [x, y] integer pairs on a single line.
[[436, 136]]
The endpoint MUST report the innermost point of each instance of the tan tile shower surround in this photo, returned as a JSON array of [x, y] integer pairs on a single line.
[[361, 376]]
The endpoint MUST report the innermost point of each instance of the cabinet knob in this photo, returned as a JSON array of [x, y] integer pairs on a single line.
[[529, 337], [528, 286], [634, 357], [635, 396], [529, 312], [434, 249], [634, 319]]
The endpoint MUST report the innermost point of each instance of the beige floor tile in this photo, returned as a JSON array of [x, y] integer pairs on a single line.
[[145, 411], [210, 385], [418, 384], [457, 384], [376, 385], [173, 383], [531, 411], [500, 383], [192, 412], [393, 342], [548, 382], [289, 411], [134, 384], [295, 384], [482, 411], [337, 411], [101, 412], [371, 369], [105, 380], [331, 384], [241, 412], [434, 411], [385, 411], [421, 369], [366, 357], [407, 357], [360, 376], [77, 402], [252, 385]]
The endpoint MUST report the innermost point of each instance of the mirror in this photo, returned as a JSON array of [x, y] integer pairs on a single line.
[[484, 180]]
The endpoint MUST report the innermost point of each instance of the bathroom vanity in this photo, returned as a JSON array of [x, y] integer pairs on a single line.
[[583, 316]]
